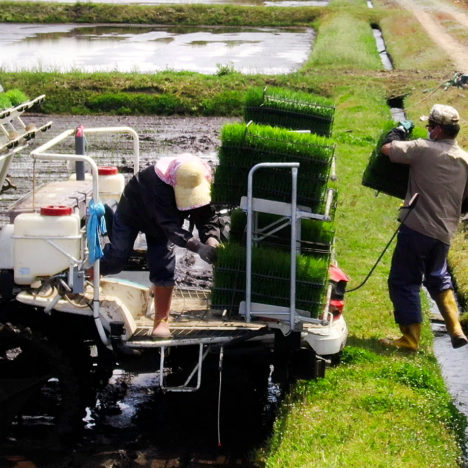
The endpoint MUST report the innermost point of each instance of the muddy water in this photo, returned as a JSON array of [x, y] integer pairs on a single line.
[[159, 136], [452, 363], [144, 49], [130, 422]]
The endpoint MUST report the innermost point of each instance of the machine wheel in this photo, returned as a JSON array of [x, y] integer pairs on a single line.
[[36, 380]]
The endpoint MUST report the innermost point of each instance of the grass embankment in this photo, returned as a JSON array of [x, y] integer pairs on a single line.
[[379, 408]]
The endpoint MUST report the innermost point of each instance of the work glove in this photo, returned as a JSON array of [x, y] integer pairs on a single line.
[[212, 242], [399, 133], [407, 125], [206, 252]]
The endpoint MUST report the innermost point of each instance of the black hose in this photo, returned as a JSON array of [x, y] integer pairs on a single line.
[[409, 207]]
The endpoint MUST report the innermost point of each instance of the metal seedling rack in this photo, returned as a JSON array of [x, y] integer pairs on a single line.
[[292, 213], [15, 135]]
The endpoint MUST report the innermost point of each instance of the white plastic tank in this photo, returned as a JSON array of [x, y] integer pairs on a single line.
[[111, 183], [6, 247], [42, 242]]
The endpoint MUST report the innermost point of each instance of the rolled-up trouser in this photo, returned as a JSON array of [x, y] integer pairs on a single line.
[[160, 254], [417, 259]]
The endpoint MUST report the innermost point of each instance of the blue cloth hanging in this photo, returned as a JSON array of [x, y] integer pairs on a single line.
[[96, 226]]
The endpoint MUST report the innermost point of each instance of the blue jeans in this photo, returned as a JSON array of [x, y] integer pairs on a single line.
[[160, 254], [417, 260]]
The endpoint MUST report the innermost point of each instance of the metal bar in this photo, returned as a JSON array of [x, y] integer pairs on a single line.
[[198, 369], [39, 153], [248, 269], [129, 130], [292, 319]]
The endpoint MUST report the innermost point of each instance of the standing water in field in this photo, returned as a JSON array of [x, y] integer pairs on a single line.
[[381, 48], [144, 49]]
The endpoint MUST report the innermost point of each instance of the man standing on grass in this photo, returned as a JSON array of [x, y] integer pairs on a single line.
[[439, 174]]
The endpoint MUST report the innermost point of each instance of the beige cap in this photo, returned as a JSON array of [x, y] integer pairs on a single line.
[[192, 187], [443, 115]]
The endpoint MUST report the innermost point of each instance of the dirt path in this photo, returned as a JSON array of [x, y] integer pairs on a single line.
[[425, 10]]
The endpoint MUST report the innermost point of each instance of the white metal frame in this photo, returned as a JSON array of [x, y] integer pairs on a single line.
[[291, 215], [43, 153]]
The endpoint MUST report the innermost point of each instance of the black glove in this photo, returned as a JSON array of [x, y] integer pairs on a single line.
[[395, 134], [206, 252]]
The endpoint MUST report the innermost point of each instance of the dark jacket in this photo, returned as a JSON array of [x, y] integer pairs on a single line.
[[148, 204]]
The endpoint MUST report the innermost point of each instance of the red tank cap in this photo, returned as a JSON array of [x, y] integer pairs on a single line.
[[107, 170], [56, 210]]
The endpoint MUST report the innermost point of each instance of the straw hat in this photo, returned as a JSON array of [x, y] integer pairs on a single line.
[[191, 178]]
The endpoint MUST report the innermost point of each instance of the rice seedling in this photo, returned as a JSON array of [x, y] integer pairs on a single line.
[[243, 146], [316, 236], [270, 279], [289, 109], [385, 176]]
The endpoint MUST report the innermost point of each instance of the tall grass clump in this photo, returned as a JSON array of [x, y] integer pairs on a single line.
[[270, 279], [16, 96], [5, 102], [316, 236], [281, 107], [243, 146], [385, 176]]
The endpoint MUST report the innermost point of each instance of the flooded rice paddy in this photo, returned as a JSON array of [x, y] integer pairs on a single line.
[[148, 49]]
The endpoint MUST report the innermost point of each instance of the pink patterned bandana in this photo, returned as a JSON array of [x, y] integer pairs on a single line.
[[166, 168]]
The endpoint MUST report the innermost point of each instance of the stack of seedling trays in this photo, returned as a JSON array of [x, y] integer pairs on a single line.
[[270, 279], [244, 145], [385, 176], [289, 109]]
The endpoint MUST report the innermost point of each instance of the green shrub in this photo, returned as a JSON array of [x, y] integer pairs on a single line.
[[16, 96], [270, 279], [289, 109], [5, 102], [138, 103], [385, 176], [244, 146], [224, 103]]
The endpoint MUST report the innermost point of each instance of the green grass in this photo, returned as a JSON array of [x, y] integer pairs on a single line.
[[177, 14], [345, 41], [389, 396]]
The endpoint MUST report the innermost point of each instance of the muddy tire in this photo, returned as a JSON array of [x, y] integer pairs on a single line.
[[35, 378]]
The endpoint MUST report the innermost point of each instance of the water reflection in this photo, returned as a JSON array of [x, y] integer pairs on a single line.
[[144, 49]]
